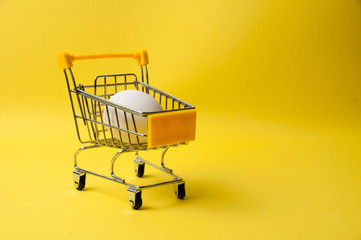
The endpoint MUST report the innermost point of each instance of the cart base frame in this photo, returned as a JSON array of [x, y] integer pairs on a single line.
[[134, 191]]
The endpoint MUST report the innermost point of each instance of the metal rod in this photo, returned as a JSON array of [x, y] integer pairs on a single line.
[[129, 184], [155, 166], [112, 165], [162, 160], [72, 107], [104, 124], [80, 150]]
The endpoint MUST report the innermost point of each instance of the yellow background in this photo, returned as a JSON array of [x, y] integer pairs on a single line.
[[277, 88]]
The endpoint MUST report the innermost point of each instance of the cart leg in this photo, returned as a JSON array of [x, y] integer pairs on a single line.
[[79, 151], [162, 160], [139, 166], [112, 165], [135, 197], [79, 179], [78, 174], [180, 191]]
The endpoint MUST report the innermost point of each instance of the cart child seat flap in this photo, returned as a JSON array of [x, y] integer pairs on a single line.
[[171, 128]]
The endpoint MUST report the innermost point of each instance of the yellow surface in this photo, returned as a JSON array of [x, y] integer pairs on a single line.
[[171, 128], [277, 90]]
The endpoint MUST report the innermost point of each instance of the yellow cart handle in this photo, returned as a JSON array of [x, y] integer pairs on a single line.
[[65, 60]]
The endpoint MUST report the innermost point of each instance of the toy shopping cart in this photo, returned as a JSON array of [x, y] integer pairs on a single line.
[[171, 127]]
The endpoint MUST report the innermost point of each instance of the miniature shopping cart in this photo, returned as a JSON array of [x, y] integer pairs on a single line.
[[173, 126]]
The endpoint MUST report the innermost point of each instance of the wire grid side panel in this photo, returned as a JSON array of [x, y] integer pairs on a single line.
[[106, 86], [80, 115], [114, 127], [167, 101]]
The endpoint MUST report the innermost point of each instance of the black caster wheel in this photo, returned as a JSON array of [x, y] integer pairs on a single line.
[[180, 191], [79, 179], [139, 167], [135, 198]]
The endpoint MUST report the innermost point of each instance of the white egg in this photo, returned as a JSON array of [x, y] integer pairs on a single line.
[[135, 100]]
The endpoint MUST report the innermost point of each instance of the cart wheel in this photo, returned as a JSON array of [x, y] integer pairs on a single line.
[[180, 191], [79, 179], [135, 198], [139, 168]]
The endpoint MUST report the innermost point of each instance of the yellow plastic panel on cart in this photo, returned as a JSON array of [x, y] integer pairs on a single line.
[[171, 128]]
